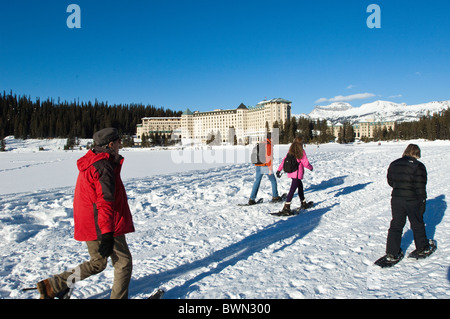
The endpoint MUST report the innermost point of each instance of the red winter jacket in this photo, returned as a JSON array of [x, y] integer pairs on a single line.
[[100, 203]]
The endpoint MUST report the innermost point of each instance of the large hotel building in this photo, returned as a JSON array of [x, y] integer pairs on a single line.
[[242, 125], [363, 129]]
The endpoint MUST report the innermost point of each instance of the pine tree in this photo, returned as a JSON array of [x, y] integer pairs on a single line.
[[346, 134]]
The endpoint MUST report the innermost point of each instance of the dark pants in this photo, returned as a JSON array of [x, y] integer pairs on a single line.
[[414, 210], [296, 184]]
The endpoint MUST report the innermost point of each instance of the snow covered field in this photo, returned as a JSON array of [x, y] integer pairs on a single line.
[[194, 241]]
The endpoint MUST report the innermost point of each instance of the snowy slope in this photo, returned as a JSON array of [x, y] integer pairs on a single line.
[[376, 111], [192, 239]]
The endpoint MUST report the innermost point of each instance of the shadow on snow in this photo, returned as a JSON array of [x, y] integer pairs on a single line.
[[435, 211], [298, 226]]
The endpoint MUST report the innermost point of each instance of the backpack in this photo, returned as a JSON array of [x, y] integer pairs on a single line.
[[259, 154], [290, 164]]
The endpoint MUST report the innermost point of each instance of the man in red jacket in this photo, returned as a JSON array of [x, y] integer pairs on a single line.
[[102, 218]]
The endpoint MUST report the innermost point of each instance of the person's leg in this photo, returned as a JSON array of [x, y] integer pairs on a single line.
[[273, 181], [301, 193], [95, 265], [290, 195], [398, 221], [415, 216], [292, 190], [123, 266], [255, 188]]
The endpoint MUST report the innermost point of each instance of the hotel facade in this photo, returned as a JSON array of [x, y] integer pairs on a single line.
[[363, 129], [241, 125]]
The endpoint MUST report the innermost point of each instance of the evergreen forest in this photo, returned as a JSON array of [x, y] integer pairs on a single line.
[[24, 118]]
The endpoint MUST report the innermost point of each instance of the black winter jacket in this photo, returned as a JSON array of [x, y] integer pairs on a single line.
[[408, 178]]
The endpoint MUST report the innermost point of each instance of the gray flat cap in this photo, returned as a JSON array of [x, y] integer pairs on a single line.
[[106, 135]]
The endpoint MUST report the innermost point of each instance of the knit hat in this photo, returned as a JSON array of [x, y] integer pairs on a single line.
[[106, 135]]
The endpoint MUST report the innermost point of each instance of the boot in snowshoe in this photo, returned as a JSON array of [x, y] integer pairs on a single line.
[[389, 260], [252, 202], [45, 289], [424, 252], [158, 294], [286, 211], [276, 199], [306, 205]]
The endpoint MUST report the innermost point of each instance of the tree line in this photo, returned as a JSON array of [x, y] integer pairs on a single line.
[[312, 131], [24, 118], [430, 127]]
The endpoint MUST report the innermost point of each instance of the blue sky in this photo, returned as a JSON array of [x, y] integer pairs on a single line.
[[207, 54]]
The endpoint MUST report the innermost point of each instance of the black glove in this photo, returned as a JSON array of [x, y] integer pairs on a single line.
[[106, 245], [278, 174]]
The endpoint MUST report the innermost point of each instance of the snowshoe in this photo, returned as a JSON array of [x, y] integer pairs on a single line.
[[158, 294], [46, 292], [306, 205], [252, 202], [424, 253], [282, 213], [278, 199], [286, 212], [389, 260]]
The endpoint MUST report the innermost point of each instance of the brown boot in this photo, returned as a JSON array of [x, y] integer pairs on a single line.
[[286, 211], [276, 199], [45, 289], [286, 208]]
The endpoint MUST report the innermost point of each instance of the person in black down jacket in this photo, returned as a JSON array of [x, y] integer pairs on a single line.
[[408, 179]]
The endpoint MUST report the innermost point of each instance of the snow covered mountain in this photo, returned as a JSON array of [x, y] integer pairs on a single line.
[[376, 111]]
